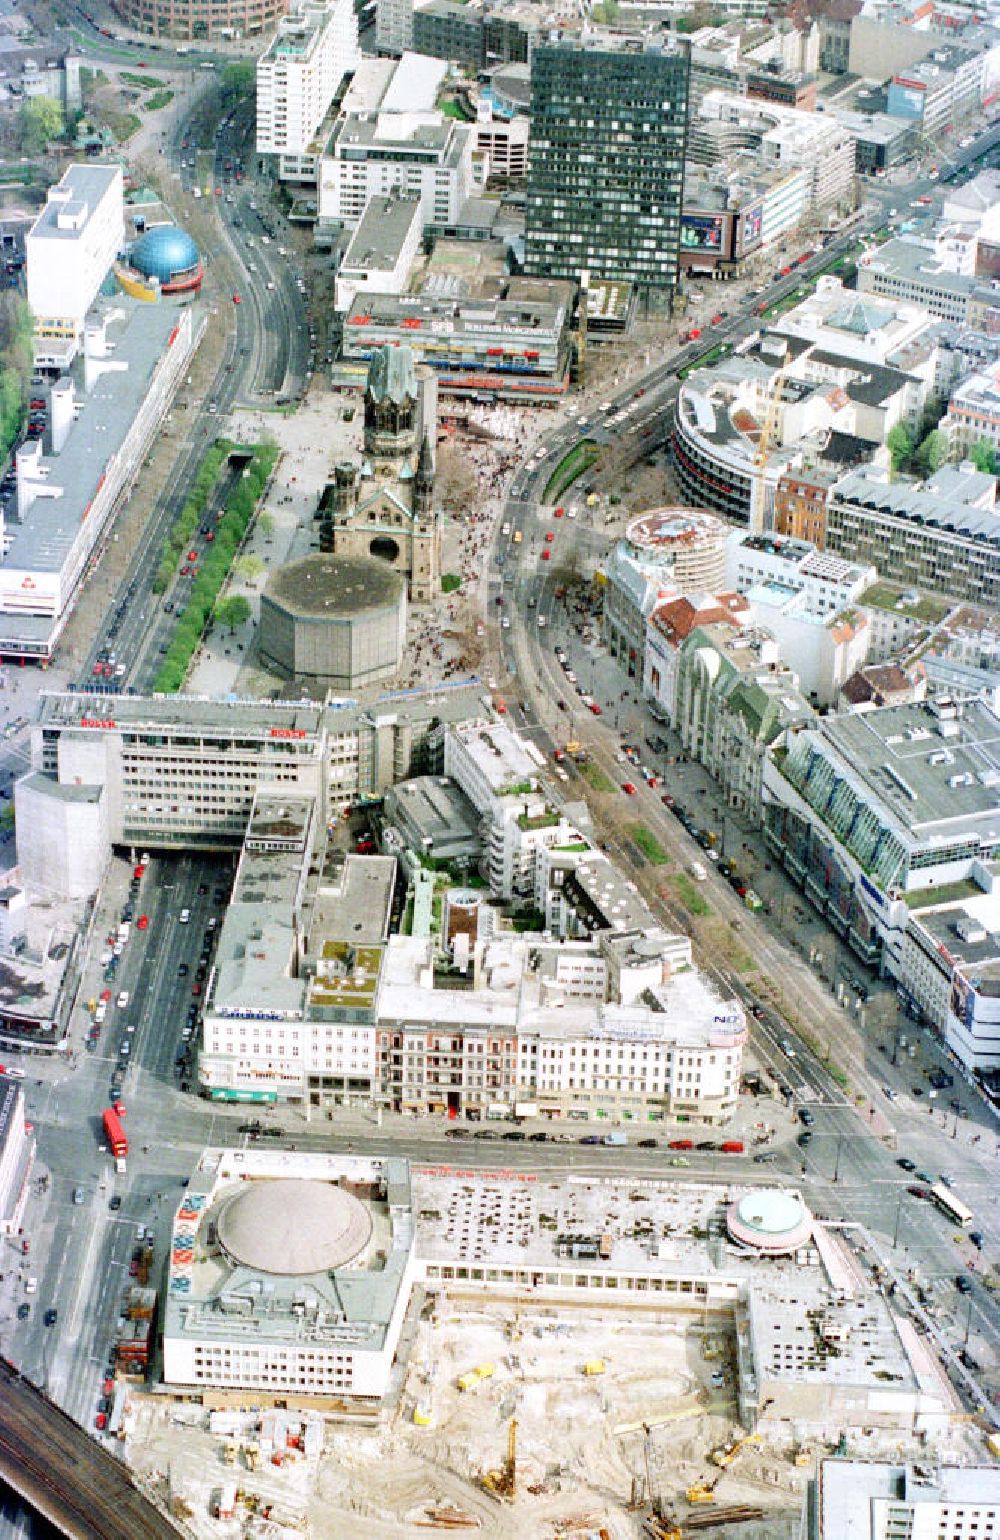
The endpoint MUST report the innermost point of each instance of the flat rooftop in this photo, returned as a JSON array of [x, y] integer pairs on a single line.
[[353, 898], [933, 782], [72, 201], [500, 756], [238, 717], [382, 233], [140, 334], [855, 1497]]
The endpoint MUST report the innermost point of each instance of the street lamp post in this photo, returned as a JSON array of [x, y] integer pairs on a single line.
[[899, 1210]]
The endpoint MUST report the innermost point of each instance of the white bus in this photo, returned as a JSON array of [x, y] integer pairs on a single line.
[[953, 1207]]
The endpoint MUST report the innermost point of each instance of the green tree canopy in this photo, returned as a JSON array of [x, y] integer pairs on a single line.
[[41, 120], [983, 457], [233, 612], [900, 446], [930, 453], [238, 81]]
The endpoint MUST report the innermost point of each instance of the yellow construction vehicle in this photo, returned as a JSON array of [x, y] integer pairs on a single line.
[[701, 1492], [725, 1457], [503, 1483]]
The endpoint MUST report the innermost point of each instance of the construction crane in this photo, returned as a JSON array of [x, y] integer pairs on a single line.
[[503, 1483], [768, 429]]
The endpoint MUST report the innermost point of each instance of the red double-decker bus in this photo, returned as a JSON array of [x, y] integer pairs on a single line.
[[115, 1134]]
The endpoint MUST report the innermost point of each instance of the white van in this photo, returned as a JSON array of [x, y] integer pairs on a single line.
[[698, 872], [184, 916]]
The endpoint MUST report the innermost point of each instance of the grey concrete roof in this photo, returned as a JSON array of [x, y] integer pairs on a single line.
[[897, 749], [907, 500], [139, 332], [320, 587], [381, 233]]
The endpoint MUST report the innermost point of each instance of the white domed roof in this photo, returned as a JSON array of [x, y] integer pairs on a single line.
[[293, 1226], [770, 1221]]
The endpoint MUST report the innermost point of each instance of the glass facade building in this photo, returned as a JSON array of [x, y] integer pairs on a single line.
[[606, 163]]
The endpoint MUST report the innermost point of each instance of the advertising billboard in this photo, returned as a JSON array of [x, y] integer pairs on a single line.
[[702, 232], [963, 1001], [751, 226], [906, 99]]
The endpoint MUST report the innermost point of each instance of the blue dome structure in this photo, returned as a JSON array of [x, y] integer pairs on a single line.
[[169, 255]]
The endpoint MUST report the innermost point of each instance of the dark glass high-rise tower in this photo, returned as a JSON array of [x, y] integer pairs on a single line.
[[606, 162]]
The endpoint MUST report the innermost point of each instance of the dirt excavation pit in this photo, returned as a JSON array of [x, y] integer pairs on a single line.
[[580, 1387]]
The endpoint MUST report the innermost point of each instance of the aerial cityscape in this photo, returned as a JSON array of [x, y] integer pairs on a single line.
[[500, 769]]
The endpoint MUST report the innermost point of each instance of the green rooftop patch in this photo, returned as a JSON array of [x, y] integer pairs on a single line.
[[947, 893], [546, 820], [890, 596], [347, 975]]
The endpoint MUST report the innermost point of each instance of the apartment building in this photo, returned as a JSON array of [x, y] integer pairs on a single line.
[[973, 414], [536, 1035], [499, 772], [393, 27], [298, 76]]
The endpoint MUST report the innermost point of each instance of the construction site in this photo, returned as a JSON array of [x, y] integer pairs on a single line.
[[581, 1359], [513, 1421]]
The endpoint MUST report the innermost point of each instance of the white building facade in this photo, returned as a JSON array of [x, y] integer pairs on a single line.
[[70, 248], [297, 79]]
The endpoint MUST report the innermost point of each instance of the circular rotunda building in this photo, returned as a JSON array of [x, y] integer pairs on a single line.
[[338, 619], [167, 259], [293, 1227], [770, 1222], [686, 545]]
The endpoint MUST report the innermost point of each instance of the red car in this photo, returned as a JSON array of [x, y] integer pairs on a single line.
[[681, 1144], [667, 799], [595, 708], [549, 536], [628, 788], [546, 555], [558, 755], [106, 995], [108, 1387], [237, 300], [142, 923], [101, 1421], [192, 555], [196, 990], [210, 537], [560, 513]]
